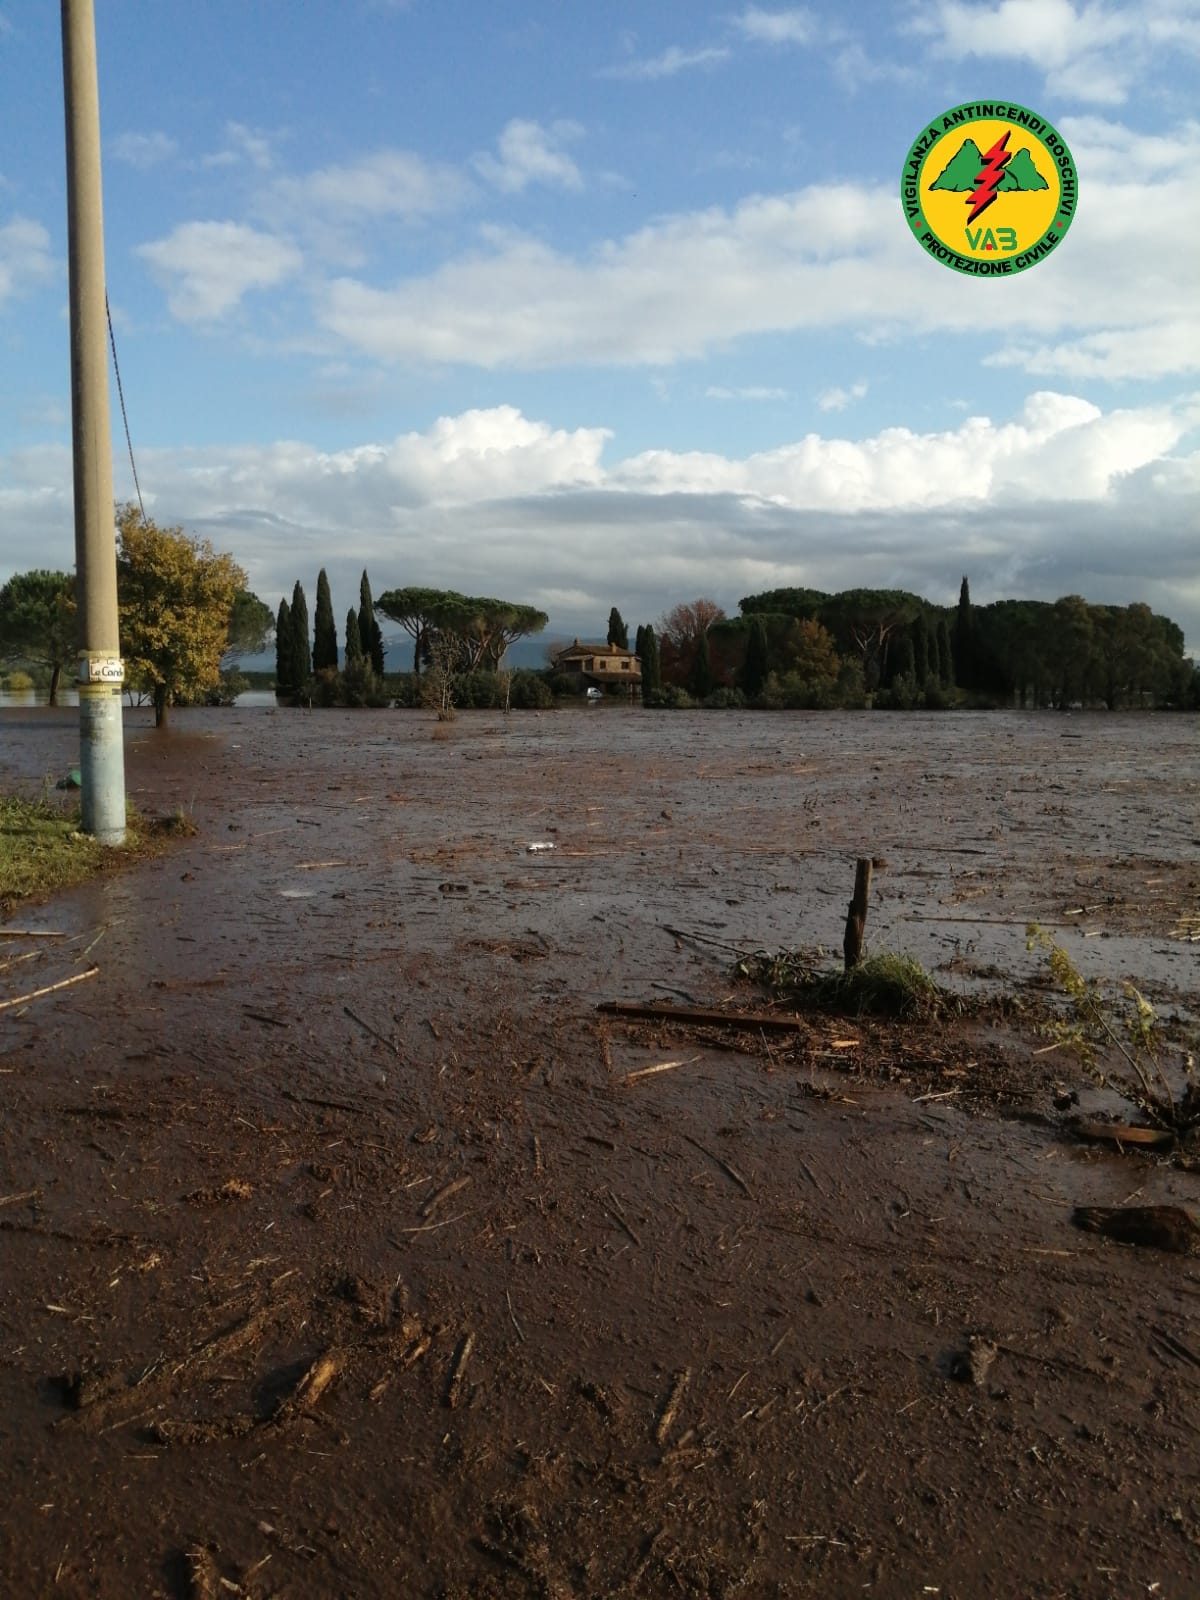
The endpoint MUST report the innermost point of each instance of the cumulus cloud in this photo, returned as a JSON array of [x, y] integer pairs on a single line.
[[243, 145], [143, 150], [837, 399], [1090, 52], [669, 64], [529, 153], [1061, 497], [793, 26], [25, 258], [382, 183], [814, 258], [207, 267]]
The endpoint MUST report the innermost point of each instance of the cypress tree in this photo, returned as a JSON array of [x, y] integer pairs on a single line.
[[618, 633], [354, 649], [933, 671], [904, 662], [945, 655], [301, 654], [325, 648], [701, 683], [651, 666], [756, 664], [963, 641], [920, 645], [369, 632], [637, 641], [283, 648]]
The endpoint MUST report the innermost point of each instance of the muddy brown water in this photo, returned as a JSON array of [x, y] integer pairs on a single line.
[[341, 1255]]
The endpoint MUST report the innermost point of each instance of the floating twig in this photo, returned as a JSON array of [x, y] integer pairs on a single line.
[[374, 1032], [261, 1016], [512, 1316], [432, 1227], [729, 1170], [50, 988], [618, 1216], [670, 1410], [83, 954], [444, 1193], [311, 1387], [659, 1066], [703, 1016], [702, 938], [454, 1387], [15, 1199]]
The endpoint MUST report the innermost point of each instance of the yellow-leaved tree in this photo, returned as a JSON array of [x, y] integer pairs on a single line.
[[176, 594]]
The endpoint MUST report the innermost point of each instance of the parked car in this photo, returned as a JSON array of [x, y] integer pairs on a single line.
[[595, 692]]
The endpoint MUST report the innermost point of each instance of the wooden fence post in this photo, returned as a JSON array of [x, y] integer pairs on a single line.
[[856, 919]]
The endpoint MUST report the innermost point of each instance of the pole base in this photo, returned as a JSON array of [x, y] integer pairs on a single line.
[[102, 762]]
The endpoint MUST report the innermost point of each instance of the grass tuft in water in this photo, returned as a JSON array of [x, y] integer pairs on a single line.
[[882, 985]]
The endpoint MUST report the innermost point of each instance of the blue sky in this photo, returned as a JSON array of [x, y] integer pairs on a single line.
[[587, 305]]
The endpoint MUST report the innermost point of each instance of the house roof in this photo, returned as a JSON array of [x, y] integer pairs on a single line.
[[579, 648]]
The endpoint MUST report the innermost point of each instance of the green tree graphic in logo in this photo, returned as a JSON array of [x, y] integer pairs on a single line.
[[963, 168]]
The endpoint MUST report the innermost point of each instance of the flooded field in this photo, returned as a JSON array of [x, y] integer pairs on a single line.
[[347, 1249]]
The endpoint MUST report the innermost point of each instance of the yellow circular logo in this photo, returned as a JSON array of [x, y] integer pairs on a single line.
[[989, 189]]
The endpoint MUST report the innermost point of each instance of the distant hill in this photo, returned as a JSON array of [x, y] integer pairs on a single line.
[[398, 654]]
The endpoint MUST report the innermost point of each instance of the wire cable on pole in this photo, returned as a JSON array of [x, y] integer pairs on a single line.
[[112, 339]]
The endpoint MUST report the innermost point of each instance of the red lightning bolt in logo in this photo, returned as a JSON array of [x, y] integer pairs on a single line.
[[987, 180]]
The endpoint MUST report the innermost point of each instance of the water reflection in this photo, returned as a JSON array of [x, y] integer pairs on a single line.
[[26, 698], [36, 697]]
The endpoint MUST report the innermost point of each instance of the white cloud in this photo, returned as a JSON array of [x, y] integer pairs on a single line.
[[716, 391], [25, 258], [793, 26], [529, 153], [207, 267], [1090, 51], [383, 183], [143, 150], [1060, 498], [836, 399], [1059, 449], [243, 145], [672, 61], [1169, 349], [826, 256]]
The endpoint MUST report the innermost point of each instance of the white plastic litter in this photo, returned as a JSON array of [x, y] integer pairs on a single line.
[[539, 845]]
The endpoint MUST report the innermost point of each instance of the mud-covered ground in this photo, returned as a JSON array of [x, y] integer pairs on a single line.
[[347, 1249]]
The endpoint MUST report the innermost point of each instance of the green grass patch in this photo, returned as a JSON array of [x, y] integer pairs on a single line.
[[43, 851], [882, 985]]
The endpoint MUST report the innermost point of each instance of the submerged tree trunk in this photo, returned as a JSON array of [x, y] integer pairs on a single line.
[[55, 675], [160, 705]]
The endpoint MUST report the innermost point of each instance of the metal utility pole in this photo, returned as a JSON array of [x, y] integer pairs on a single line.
[[101, 670]]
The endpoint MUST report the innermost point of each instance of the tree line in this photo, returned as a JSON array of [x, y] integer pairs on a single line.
[[455, 637], [187, 616], [902, 651]]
